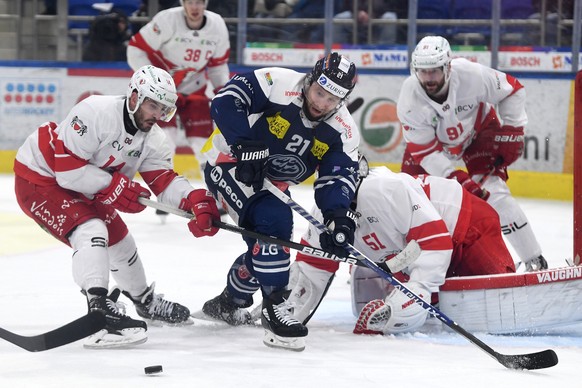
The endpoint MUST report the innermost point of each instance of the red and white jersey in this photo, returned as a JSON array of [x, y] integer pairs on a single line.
[[80, 153], [168, 43], [394, 209], [439, 132]]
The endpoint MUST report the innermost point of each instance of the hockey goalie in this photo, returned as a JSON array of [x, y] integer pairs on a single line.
[[460, 238]]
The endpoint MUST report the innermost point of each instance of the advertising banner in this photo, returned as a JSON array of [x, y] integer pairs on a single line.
[[31, 96]]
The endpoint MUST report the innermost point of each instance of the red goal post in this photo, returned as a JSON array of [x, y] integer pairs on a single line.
[[578, 168]]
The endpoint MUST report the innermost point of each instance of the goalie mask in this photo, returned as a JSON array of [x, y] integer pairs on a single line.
[[157, 85], [432, 54]]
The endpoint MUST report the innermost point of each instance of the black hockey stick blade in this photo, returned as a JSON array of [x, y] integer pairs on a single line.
[[355, 105], [71, 332], [531, 361]]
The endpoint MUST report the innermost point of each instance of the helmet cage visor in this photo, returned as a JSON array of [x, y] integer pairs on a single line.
[[164, 99], [166, 111]]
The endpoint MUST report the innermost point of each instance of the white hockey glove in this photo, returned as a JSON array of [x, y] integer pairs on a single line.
[[396, 314], [308, 286]]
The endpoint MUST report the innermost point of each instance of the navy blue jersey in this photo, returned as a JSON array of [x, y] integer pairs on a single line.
[[266, 105]]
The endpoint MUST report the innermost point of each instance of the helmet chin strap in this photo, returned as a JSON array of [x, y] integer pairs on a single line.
[[131, 113]]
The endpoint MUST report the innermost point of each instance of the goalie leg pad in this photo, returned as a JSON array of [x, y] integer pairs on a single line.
[[406, 315], [366, 285], [308, 287]]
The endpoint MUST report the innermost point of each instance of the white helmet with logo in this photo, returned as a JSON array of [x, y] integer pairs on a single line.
[[156, 84], [432, 52]]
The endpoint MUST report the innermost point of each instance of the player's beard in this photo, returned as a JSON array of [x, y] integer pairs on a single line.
[[143, 124], [311, 111], [432, 88]]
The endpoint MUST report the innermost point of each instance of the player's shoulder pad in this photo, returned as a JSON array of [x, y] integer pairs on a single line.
[[169, 14], [381, 179], [279, 84], [343, 122], [462, 67], [214, 18]]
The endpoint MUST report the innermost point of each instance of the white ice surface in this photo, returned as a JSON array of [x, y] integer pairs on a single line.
[[38, 295]]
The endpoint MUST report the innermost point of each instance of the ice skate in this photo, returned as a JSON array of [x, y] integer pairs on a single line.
[[121, 330], [223, 308], [159, 311], [281, 329]]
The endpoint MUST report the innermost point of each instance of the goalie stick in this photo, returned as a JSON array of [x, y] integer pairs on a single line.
[[402, 260], [71, 332], [538, 360]]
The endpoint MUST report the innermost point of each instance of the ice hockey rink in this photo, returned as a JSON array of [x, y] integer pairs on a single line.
[[38, 295]]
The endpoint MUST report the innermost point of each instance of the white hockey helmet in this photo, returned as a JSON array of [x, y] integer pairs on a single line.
[[156, 84], [432, 52]]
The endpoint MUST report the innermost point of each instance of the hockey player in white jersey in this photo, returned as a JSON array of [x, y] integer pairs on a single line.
[[73, 177], [459, 235], [192, 44], [447, 112]]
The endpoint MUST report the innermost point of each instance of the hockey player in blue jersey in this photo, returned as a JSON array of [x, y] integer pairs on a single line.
[[282, 125]]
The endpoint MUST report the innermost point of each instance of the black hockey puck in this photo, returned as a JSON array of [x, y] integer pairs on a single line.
[[150, 370]]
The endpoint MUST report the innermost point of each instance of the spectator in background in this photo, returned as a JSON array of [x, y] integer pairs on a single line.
[[108, 37], [275, 8], [381, 9], [229, 9], [143, 11], [50, 7], [303, 9], [553, 15]]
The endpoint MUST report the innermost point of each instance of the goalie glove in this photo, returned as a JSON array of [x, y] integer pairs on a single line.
[[396, 314], [308, 285], [123, 193], [508, 144], [342, 223], [251, 163], [201, 203], [468, 184]]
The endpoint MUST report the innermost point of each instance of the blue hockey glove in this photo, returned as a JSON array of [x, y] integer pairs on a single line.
[[342, 223], [251, 163]]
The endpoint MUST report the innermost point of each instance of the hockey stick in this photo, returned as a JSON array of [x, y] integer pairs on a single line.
[[355, 105], [71, 332], [538, 360], [488, 174], [396, 264]]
